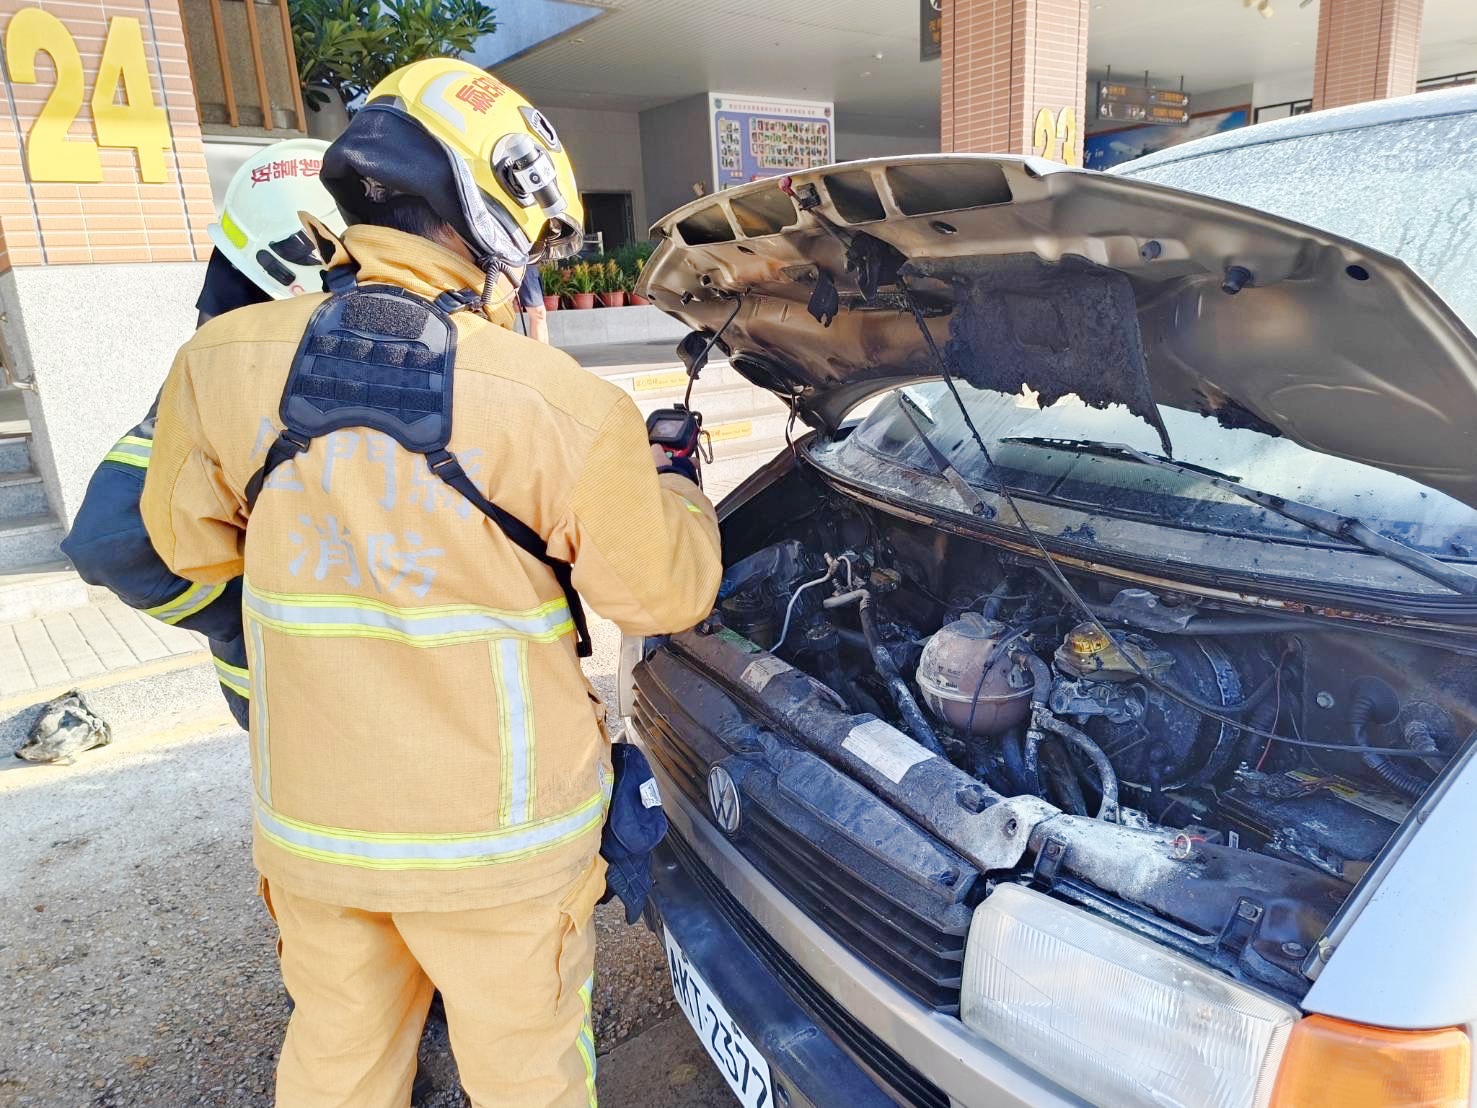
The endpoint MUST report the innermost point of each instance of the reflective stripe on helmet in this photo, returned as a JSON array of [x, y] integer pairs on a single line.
[[185, 604], [232, 232], [389, 851], [343, 616]]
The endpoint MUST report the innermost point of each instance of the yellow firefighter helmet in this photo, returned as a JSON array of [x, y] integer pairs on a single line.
[[485, 160]]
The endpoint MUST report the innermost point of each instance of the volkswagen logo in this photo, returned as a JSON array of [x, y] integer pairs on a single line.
[[723, 798]]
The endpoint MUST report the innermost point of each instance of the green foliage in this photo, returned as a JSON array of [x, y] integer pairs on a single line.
[[632, 256], [553, 279], [581, 278], [351, 45]]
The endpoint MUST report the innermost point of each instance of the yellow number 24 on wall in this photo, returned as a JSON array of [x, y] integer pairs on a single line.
[[137, 123]]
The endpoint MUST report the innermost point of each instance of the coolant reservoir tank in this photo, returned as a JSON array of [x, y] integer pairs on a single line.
[[968, 679]]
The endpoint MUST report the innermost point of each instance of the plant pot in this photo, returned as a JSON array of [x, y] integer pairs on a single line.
[[329, 119], [636, 300], [551, 303], [611, 299], [582, 299]]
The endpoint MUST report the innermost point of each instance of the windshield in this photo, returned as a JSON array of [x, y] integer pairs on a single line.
[[1407, 187], [1052, 472]]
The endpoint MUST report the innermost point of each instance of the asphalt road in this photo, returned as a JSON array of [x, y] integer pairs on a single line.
[[140, 967]]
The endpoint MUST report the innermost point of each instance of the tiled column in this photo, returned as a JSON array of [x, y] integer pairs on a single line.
[[1367, 50], [121, 218], [102, 242], [1014, 77]]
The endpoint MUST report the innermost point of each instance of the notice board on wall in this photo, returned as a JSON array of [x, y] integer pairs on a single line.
[[754, 137]]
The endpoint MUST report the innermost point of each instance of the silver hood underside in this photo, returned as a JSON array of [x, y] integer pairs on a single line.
[[1069, 281]]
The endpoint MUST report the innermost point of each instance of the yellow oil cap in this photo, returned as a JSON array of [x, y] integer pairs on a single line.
[[1086, 640]]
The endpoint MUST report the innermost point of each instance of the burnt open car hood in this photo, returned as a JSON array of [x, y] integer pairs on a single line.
[[1071, 281]]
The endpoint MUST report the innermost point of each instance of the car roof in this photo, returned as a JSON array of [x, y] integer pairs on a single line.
[[1374, 113]]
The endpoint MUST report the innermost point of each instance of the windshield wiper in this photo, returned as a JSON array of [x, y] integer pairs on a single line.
[[950, 473], [1349, 529]]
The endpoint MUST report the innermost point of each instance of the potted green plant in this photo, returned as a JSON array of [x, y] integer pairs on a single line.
[[552, 279], [633, 275], [346, 47], [581, 285], [609, 291]]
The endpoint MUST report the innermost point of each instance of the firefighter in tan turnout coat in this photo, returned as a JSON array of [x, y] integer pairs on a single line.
[[417, 499]]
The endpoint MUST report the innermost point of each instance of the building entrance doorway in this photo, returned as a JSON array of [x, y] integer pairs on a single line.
[[608, 214]]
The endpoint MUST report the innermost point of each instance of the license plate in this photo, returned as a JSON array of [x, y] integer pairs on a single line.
[[736, 1057]]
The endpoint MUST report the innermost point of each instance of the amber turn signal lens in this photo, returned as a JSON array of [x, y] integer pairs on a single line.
[[1334, 1062]]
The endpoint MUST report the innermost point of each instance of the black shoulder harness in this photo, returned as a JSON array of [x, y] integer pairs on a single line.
[[380, 357]]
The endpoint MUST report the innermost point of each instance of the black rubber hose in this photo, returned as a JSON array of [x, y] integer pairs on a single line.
[[1263, 718], [1106, 775], [995, 602], [1040, 697], [1361, 711], [913, 719], [1236, 708], [1015, 766], [1063, 776]]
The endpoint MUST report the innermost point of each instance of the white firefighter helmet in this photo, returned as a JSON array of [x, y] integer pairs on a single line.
[[259, 231]]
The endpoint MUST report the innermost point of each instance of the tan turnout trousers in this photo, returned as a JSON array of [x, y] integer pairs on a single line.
[[516, 981]]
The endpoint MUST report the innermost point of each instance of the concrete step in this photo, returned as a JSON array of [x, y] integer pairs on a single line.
[[30, 541], [32, 593], [21, 494], [15, 454]]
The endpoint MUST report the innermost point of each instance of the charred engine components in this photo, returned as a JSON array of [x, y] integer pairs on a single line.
[[1088, 653], [752, 596], [1154, 740], [969, 679], [1329, 822]]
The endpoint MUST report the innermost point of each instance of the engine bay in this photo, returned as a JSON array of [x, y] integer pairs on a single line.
[[1284, 747]]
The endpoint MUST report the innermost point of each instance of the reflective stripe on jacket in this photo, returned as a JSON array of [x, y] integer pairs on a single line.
[[422, 735]]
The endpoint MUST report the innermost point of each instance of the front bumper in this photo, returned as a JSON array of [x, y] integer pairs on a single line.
[[807, 1066], [833, 1030]]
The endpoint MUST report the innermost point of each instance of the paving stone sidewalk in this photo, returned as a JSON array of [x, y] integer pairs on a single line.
[[85, 646]]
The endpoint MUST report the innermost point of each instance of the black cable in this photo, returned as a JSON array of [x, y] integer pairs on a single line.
[[1067, 587]]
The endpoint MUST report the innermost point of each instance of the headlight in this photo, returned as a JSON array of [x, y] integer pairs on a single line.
[[625, 674], [1111, 1016]]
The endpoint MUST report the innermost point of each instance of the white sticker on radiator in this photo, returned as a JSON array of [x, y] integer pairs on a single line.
[[885, 749], [761, 671]]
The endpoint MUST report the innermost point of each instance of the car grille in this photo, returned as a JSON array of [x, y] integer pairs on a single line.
[[915, 941], [900, 1080]]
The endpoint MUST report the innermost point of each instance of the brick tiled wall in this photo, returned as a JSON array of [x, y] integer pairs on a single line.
[[1005, 60], [1367, 50], [121, 219]]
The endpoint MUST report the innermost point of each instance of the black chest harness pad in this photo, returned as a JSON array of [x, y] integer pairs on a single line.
[[380, 357]]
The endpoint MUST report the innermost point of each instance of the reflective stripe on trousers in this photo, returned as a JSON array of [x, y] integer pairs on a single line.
[[186, 604], [586, 1039], [387, 851]]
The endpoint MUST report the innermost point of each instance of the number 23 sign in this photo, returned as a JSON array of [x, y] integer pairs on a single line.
[[136, 124]]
